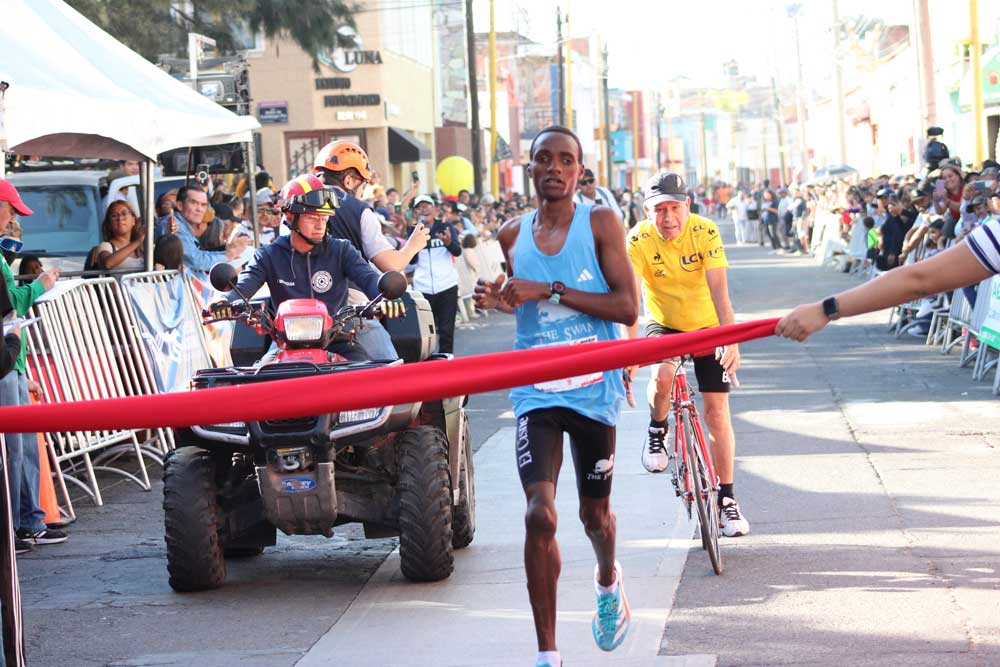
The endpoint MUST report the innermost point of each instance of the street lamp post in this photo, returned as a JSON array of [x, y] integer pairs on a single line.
[[793, 11]]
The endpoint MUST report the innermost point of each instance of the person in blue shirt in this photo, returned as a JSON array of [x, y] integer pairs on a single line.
[[188, 223], [569, 280]]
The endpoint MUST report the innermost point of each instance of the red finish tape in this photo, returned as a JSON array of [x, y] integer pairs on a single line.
[[356, 390]]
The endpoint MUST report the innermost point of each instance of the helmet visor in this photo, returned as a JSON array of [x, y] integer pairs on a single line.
[[314, 201]]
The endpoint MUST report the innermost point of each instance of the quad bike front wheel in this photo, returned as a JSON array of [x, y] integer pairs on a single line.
[[191, 519], [425, 513], [463, 521]]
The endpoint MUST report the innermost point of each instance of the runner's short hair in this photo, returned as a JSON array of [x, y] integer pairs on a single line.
[[558, 129]]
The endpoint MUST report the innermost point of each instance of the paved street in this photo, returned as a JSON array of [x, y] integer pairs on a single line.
[[866, 465]]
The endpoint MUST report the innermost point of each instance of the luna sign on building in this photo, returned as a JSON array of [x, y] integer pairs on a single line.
[[349, 52]]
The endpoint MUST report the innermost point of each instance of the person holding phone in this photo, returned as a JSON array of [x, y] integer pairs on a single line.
[[435, 274], [344, 166]]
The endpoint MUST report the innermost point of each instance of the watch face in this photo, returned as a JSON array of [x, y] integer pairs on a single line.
[[558, 287]]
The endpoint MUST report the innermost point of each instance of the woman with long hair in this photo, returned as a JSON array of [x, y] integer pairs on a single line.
[[124, 239], [948, 191]]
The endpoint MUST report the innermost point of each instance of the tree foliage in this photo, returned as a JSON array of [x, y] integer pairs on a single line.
[[159, 27]]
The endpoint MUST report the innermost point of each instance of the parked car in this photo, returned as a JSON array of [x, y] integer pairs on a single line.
[[69, 207]]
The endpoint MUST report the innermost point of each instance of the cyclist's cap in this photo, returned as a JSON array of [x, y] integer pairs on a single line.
[[423, 199], [934, 131], [588, 173], [664, 186]]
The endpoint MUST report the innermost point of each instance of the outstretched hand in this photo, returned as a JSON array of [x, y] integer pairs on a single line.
[[802, 322], [487, 292]]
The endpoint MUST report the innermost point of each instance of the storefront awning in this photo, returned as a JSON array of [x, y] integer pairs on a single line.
[[404, 147]]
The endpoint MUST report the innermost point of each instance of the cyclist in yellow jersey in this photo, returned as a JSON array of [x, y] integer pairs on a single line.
[[680, 264]]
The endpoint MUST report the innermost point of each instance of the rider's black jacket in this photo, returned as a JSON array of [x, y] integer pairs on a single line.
[[320, 274]]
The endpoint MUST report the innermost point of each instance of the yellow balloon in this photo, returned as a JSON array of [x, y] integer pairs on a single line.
[[454, 174]]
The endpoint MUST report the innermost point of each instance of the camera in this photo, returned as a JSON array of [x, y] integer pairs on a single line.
[[201, 174], [415, 176]]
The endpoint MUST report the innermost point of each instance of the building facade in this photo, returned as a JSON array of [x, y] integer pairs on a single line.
[[375, 87]]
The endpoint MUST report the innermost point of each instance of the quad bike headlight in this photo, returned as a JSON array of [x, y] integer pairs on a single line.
[[303, 329], [352, 416]]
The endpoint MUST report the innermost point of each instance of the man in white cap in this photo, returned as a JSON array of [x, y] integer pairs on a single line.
[[680, 264]]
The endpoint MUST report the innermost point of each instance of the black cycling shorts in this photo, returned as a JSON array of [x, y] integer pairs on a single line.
[[712, 377], [539, 449]]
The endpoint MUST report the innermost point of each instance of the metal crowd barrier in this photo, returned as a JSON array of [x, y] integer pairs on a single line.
[[959, 317], [91, 343], [84, 348], [982, 357]]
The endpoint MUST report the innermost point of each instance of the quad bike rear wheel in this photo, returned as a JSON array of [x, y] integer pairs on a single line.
[[425, 513]]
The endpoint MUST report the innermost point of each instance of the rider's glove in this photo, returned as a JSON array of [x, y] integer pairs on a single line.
[[391, 309], [221, 310]]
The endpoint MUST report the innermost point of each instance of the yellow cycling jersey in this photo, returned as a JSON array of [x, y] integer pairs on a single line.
[[673, 272]]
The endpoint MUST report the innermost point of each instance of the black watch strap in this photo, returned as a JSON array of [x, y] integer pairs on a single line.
[[831, 308]]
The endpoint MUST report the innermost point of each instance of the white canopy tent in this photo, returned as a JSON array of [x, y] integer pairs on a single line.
[[73, 90], [77, 91]]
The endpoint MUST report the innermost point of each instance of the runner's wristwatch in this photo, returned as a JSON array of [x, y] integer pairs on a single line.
[[557, 290], [831, 308]]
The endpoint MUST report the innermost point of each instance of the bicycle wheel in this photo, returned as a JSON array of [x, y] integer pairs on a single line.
[[705, 496]]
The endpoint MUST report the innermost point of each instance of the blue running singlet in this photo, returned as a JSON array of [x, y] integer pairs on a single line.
[[598, 396]]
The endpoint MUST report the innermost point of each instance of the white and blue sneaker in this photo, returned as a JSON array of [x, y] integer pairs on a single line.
[[613, 618]]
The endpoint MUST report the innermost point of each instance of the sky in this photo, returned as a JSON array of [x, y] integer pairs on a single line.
[[653, 41]]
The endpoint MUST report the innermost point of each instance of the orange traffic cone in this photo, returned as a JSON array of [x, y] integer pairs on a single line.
[[46, 489]]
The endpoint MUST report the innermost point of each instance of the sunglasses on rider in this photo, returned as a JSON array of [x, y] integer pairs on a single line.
[[314, 199], [587, 181], [8, 244]]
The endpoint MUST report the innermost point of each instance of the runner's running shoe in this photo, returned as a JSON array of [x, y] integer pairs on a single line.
[[654, 454], [732, 523], [612, 618]]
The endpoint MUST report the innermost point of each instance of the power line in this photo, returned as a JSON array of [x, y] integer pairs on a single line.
[[417, 4]]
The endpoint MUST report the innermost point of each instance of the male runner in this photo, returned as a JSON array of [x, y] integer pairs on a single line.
[[679, 259], [569, 282]]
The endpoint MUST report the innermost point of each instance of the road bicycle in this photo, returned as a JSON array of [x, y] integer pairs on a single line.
[[692, 471]]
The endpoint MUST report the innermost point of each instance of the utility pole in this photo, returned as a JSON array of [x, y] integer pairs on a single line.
[[477, 141], [602, 132], [779, 126], [569, 75], [606, 112], [839, 76], [925, 60], [977, 77], [561, 93], [635, 140], [703, 139], [801, 111], [659, 138], [494, 167]]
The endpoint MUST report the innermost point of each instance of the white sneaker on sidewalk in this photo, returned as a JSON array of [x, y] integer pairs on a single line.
[[654, 453], [732, 523]]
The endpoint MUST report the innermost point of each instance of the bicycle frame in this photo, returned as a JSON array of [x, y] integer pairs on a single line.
[[681, 401]]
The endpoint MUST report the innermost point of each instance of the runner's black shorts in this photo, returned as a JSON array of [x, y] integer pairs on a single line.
[[712, 377], [540, 445]]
